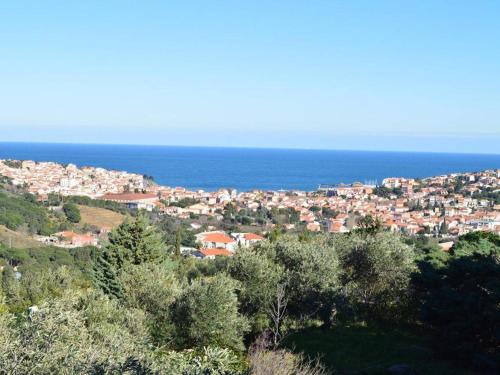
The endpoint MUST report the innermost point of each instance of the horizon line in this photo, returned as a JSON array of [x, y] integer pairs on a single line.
[[248, 147]]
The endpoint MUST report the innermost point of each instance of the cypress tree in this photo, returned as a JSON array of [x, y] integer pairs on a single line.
[[178, 241]]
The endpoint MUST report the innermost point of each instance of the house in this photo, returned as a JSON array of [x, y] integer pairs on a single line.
[[144, 201], [247, 239], [78, 240], [198, 209], [220, 240], [335, 226]]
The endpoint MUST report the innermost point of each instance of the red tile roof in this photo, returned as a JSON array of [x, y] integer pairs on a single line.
[[217, 238], [253, 236]]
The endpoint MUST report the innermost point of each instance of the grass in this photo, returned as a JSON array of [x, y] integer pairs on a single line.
[[100, 217], [15, 239], [360, 349]]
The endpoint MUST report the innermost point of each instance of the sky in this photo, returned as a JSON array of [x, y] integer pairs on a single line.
[[419, 75]]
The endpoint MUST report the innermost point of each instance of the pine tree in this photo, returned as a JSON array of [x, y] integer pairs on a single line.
[[106, 273], [131, 243], [137, 241]]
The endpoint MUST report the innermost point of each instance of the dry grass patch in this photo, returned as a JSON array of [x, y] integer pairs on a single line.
[[15, 239], [100, 217]]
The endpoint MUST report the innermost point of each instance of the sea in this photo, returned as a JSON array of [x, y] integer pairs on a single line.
[[244, 169]]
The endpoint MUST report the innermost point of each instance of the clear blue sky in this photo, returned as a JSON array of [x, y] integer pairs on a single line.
[[381, 75]]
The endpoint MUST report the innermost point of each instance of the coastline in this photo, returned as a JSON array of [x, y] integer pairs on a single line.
[[246, 169]]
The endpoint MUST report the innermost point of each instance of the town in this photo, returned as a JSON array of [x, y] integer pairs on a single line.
[[444, 206]]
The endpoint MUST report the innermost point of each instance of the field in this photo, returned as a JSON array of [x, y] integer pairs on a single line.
[[365, 350], [100, 217], [15, 239]]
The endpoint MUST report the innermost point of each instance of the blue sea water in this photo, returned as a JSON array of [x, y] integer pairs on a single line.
[[246, 168]]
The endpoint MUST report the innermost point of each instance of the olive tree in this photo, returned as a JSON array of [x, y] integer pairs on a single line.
[[376, 272], [312, 273], [258, 276], [207, 314]]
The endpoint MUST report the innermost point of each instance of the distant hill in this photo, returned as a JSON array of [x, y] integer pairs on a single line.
[[100, 217]]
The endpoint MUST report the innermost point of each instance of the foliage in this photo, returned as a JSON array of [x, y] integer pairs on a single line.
[[151, 313], [131, 243], [311, 273], [282, 362], [376, 272], [74, 334], [207, 314], [459, 300], [152, 288], [371, 349], [16, 211], [258, 276], [33, 287], [72, 212], [206, 361], [99, 203], [17, 164], [184, 202], [385, 192], [172, 228]]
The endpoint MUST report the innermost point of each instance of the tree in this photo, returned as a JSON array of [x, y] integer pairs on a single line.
[[443, 229], [106, 271], [458, 300], [368, 224], [277, 313], [53, 199], [72, 212], [178, 242], [131, 243], [207, 314], [311, 272], [10, 287], [152, 288], [258, 276], [137, 241], [74, 334], [376, 272]]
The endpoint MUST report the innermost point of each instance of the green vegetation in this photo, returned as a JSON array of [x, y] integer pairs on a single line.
[[13, 163], [363, 301], [385, 192], [99, 203], [15, 239], [362, 349], [22, 211], [184, 202], [72, 212]]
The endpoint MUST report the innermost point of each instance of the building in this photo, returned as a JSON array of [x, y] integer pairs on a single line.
[[247, 239], [219, 240], [145, 201]]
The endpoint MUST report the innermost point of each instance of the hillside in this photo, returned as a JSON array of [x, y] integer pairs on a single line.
[[100, 217], [15, 239]]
